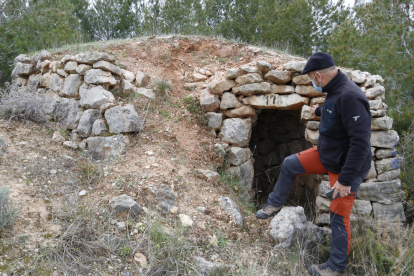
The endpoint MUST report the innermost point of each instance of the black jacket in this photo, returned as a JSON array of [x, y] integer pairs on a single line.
[[345, 130]]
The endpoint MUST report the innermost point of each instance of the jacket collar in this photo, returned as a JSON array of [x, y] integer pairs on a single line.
[[333, 85]]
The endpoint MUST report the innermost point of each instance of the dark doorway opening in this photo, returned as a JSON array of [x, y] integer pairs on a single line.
[[276, 135]]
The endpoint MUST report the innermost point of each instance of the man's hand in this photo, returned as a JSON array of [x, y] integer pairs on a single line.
[[313, 108], [341, 189]]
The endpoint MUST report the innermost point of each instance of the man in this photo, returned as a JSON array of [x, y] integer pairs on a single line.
[[343, 152]]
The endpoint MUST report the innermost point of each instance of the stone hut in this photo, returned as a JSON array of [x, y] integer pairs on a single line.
[[262, 114]]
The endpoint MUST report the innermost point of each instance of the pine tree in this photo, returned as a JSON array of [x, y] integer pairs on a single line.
[[378, 38], [32, 25], [112, 19]]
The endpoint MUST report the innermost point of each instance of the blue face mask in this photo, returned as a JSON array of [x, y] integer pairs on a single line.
[[318, 88]]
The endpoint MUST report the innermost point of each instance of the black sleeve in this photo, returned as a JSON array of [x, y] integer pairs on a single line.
[[318, 111], [356, 119]]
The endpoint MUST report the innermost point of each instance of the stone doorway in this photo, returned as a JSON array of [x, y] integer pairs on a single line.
[[275, 135]]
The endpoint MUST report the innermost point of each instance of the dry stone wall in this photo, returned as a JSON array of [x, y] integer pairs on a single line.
[[75, 91], [234, 102]]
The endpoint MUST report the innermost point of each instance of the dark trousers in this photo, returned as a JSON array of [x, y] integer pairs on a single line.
[[307, 162]]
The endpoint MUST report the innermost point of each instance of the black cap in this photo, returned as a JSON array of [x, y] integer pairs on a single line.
[[318, 61]]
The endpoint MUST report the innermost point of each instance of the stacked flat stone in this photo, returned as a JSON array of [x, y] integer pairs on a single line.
[[234, 103], [75, 91]]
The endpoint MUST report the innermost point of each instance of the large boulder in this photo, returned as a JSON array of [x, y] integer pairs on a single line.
[[244, 173], [98, 76], [214, 120], [384, 139], [95, 97], [232, 209], [249, 78], [252, 88], [290, 227], [209, 102], [384, 153], [238, 156], [163, 197], [128, 75], [263, 66], [48, 100], [389, 175], [236, 131], [282, 89], [105, 65], [123, 119], [125, 204], [279, 77], [106, 147], [22, 69], [308, 91], [302, 80], [71, 66], [56, 83], [388, 212], [204, 267], [387, 164], [275, 101], [71, 85], [362, 208], [82, 69], [229, 100], [91, 58], [381, 123], [386, 192], [218, 87], [375, 92], [68, 113], [240, 112], [86, 121], [295, 66], [141, 79], [99, 127]]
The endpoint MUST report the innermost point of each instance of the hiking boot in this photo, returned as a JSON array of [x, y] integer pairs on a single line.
[[268, 211], [322, 270]]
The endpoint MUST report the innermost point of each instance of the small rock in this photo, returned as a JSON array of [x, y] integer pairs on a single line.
[[185, 220], [231, 208], [57, 137], [82, 193], [174, 210], [141, 79], [121, 225], [125, 204], [140, 259], [201, 210], [70, 145], [210, 176], [148, 93], [205, 267]]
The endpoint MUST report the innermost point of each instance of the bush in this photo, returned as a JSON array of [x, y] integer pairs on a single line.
[[20, 104], [163, 87], [193, 105], [8, 210], [406, 149]]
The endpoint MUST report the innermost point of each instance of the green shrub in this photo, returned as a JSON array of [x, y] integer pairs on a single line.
[[406, 150], [8, 210], [163, 87], [193, 105]]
